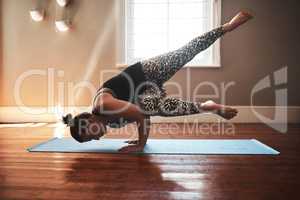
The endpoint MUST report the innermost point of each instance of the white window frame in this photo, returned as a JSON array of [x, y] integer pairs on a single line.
[[122, 43]]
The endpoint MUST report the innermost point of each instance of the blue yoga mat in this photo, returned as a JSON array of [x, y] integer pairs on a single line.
[[160, 146]]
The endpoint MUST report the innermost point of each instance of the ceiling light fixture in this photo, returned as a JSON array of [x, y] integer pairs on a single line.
[[37, 15], [62, 25], [62, 3]]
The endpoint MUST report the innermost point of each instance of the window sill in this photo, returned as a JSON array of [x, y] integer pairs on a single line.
[[123, 66], [203, 66]]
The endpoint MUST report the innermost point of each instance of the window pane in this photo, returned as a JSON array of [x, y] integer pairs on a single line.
[[158, 26], [147, 41], [147, 26], [150, 11], [186, 10]]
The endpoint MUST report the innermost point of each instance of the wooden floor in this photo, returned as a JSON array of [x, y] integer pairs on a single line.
[[74, 176]]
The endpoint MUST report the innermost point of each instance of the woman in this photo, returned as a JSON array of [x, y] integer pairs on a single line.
[[137, 93]]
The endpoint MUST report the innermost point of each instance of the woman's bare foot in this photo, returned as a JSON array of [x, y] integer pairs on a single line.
[[227, 112], [237, 20], [224, 111]]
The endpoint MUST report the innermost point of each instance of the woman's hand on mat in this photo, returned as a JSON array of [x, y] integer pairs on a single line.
[[131, 149]]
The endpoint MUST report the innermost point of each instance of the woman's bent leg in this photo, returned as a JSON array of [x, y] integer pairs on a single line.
[[169, 106]]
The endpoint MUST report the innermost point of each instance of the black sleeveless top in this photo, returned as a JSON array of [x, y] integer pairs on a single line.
[[127, 84]]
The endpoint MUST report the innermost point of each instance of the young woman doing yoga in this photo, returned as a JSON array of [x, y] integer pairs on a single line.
[[137, 93]]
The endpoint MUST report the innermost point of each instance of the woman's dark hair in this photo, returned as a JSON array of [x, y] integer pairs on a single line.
[[76, 124]]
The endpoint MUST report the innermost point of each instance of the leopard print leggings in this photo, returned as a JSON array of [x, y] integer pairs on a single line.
[[161, 68]]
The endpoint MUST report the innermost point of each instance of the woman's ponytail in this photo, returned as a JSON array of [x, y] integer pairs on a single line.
[[67, 119]]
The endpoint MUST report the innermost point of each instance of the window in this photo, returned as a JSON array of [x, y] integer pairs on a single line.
[[153, 27]]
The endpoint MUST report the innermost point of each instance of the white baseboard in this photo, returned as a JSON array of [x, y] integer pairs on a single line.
[[246, 115]]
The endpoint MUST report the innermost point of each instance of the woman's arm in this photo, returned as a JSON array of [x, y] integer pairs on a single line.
[[112, 107]]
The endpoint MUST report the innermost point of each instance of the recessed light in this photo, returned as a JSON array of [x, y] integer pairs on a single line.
[[37, 15], [62, 25], [62, 3]]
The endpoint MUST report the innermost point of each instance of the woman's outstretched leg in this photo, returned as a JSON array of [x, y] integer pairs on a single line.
[[161, 68]]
